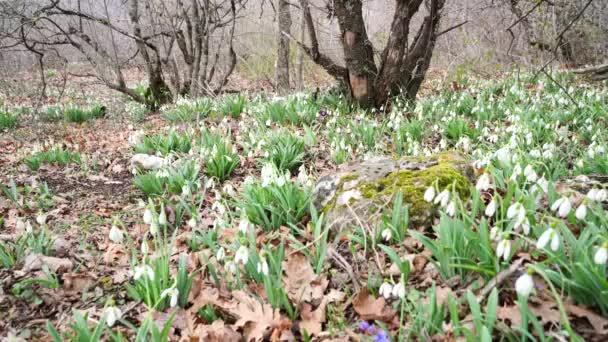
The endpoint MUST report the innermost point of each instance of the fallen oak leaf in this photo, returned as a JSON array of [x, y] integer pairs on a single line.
[[300, 281], [312, 321], [35, 262], [256, 319], [218, 331], [599, 323], [370, 308]]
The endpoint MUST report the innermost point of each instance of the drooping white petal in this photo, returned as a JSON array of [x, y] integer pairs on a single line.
[[524, 285]]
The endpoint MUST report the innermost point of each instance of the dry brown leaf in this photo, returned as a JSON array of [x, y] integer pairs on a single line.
[[115, 255], [312, 321], [599, 323], [547, 312], [370, 308], [256, 319], [510, 313], [218, 331], [180, 320], [301, 283], [77, 282], [34, 262]]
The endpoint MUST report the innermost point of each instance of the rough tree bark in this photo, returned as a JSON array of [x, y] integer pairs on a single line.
[[282, 63], [403, 63]]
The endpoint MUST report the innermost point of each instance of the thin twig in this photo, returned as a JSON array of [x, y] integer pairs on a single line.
[[499, 279]]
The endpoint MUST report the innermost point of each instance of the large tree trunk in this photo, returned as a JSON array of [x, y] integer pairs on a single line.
[[403, 64], [282, 64]]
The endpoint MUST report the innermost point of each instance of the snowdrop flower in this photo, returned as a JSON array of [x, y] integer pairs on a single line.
[[443, 198], [162, 217], [154, 228], [230, 267], [581, 212], [144, 247], [116, 235], [386, 290], [597, 195], [41, 219], [263, 266], [494, 233], [242, 255], [503, 249], [543, 183], [20, 225], [429, 194], [524, 285], [173, 293], [451, 209], [525, 225], [244, 225], [530, 174], [143, 270], [221, 253], [387, 234], [112, 314], [398, 291], [147, 216], [28, 227], [491, 208], [517, 211], [483, 183], [601, 255], [192, 222], [548, 235], [516, 172], [562, 206]]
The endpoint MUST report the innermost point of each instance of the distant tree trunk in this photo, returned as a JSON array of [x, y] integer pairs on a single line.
[[403, 64], [282, 64], [300, 68]]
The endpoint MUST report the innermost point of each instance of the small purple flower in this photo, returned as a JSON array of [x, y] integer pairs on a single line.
[[322, 114], [371, 330], [381, 337], [363, 326]]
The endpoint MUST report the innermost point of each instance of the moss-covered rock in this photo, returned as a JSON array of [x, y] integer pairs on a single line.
[[360, 192]]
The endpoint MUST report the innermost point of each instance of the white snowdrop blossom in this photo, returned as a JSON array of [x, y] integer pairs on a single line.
[[221, 253], [154, 228], [581, 212], [494, 233], [230, 267], [491, 208], [28, 226], [162, 217], [244, 225], [143, 270], [116, 235], [524, 285], [386, 290], [525, 225], [263, 266], [443, 198], [144, 247], [601, 255], [483, 183], [20, 225], [112, 315], [242, 255], [387, 234], [41, 219], [549, 235], [173, 294], [562, 206], [399, 290], [597, 195], [451, 209], [516, 211], [530, 174], [147, 216], [429, 194], [503, 249], [192, 222]]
